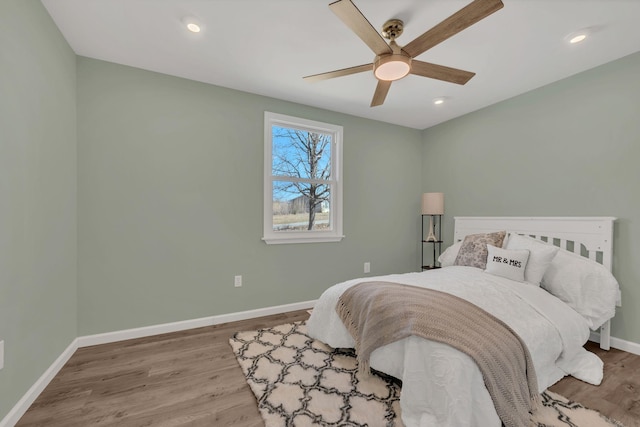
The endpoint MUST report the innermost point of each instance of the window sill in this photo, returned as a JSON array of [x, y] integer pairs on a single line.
[[309, 239]]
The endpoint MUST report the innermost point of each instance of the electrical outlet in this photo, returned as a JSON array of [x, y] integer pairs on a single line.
[[1, 354], [367, 267], [237, 281]]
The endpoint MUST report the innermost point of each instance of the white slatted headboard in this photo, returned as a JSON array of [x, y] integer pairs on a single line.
[[591, 237]]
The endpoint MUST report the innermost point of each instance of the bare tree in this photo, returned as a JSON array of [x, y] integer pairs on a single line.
[[301, 155]]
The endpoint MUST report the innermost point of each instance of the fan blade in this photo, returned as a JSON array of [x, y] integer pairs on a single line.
[[381, 92], [440, 72], [339, 73], [354, 19], [464, 18]]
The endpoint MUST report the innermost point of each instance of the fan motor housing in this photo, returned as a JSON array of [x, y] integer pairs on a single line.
[[392, 28]]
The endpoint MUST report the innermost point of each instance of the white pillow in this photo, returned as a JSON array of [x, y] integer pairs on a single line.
[[507, 263], [448, 257], [540, 256], [584, 285]]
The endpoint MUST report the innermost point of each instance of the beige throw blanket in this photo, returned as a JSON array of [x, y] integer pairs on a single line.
[[379, 313]]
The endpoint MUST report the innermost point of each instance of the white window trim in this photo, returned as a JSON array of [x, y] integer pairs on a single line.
[[312, 236]]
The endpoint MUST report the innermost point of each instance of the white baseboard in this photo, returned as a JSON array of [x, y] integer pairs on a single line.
[[620, 344], [164, 328], [32, 394]]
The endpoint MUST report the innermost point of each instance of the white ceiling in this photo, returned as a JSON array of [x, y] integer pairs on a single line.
[[266, 47]]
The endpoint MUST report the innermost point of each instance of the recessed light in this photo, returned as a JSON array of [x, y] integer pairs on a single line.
[[192, 24], [439, 101], [577, 38], [194, 28]]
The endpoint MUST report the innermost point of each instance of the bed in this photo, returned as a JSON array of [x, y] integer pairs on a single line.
[[576, 294]]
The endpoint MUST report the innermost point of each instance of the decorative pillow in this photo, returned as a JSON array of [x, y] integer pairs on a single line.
[[473, 252], [507, 263], [540, 256], [448, 257], [584, 285]]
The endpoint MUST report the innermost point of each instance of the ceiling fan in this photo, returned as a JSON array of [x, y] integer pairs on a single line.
[[393, 62]]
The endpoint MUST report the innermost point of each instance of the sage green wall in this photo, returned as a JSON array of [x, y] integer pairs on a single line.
[[567, 149], [37, 196], [170, 186]]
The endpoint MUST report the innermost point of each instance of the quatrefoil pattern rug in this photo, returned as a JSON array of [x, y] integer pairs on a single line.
[[299, 381]]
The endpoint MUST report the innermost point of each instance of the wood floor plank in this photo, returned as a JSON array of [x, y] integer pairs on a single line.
[[618, 396], [191, 378]]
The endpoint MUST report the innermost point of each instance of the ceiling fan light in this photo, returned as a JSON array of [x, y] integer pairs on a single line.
[[392, 67]]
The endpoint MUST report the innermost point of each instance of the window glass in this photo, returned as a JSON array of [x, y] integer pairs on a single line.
[[302, 186]]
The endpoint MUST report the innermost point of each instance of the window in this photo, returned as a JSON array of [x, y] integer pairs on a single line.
[[303, 180]]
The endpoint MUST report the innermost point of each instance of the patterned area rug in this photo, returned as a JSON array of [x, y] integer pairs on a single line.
[[299, 381]]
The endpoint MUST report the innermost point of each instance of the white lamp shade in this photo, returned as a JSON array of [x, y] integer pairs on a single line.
[[433, 204]]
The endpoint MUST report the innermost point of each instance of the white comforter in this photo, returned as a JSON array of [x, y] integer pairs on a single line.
[[443, 387]]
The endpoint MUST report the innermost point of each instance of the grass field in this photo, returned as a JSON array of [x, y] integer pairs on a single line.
[[300, 221]]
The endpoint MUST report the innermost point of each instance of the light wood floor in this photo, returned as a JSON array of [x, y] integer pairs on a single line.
[[191, 378], [618, 396]]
